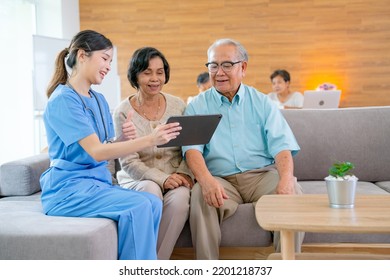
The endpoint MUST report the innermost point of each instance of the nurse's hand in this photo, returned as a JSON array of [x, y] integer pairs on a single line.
[[166, 132]]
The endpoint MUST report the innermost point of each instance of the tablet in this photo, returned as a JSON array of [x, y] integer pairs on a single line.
[[196, 129]]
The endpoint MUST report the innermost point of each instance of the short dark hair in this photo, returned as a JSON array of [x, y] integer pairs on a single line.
[[282, 73], [203, 78], [139, 62]]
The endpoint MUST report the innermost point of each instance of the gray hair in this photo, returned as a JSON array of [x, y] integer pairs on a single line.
[[242, 54]]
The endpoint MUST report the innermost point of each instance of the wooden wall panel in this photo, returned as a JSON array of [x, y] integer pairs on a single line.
[[346, 42]]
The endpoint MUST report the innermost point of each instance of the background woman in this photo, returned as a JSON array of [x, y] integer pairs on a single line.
[[160, 171], [281, 94], [79, 131]]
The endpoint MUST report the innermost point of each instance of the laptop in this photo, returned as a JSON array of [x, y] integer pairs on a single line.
[[321, 99], [196, 129]]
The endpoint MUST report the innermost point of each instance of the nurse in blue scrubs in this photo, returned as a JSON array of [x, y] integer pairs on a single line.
[[80, 137]]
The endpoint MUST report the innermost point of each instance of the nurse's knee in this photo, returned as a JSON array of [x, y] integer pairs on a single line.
[[148, 201], [154, 201]]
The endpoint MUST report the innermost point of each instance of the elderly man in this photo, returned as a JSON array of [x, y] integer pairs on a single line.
[[249, 155]]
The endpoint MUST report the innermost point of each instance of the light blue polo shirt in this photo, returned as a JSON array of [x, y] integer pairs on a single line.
[[251, 133]]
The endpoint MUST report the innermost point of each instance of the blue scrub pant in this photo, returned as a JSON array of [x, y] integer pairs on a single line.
[[138, 216]]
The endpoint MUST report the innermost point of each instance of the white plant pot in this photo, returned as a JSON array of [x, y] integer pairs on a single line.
[[341, 194]]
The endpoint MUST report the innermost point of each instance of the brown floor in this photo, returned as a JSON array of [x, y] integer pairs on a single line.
[[258, 253], [227, 253]]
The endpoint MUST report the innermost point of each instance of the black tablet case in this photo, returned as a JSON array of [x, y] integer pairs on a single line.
[[196, 129]]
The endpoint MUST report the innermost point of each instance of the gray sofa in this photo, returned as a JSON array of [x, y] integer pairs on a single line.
[[360, 135]]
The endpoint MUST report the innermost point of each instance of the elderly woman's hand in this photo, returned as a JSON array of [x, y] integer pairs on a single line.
[[129, 131], [176, 180]]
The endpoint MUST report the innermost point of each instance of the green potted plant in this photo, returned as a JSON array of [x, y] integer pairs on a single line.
[[341, 185]]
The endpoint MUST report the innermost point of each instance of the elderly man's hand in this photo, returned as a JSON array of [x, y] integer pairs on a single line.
[[286, 186], [213, 193]]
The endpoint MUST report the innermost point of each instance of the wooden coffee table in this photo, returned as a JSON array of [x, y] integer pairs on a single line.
[[311, 213]]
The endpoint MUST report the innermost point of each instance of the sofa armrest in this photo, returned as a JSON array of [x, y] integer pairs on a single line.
[[21, 177]]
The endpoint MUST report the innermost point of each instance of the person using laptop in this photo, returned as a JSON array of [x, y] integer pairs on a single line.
[[249, 155], [203, 81], [281, 94], [160, 171]]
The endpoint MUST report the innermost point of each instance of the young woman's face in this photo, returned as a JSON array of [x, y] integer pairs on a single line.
[[99, 64], [279, 85], [152, 79]]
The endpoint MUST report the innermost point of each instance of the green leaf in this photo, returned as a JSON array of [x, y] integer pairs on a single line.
[[341, 169]]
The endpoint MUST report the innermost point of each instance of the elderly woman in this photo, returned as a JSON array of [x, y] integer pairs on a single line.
[[282, 94], [160, 171]]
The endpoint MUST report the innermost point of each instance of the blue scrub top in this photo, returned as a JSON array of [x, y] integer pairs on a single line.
[[251, 133], [67, 121]]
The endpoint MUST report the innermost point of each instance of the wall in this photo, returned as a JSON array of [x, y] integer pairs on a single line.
[[56, 23], [57, 18], [345, 42], [16, 111], [22, 127]]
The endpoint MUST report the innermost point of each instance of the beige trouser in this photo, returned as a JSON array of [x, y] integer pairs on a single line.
[[241, 188], [175, 213]]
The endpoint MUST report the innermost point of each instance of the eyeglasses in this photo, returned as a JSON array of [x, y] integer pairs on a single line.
[[227, 66]]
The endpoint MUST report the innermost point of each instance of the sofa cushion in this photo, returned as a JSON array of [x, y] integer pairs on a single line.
[[239, 230], [346, 134], [242, 229], [319, 187], [384, 185], [0, 185], [365, 238], [27, 233], [21, 177]]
